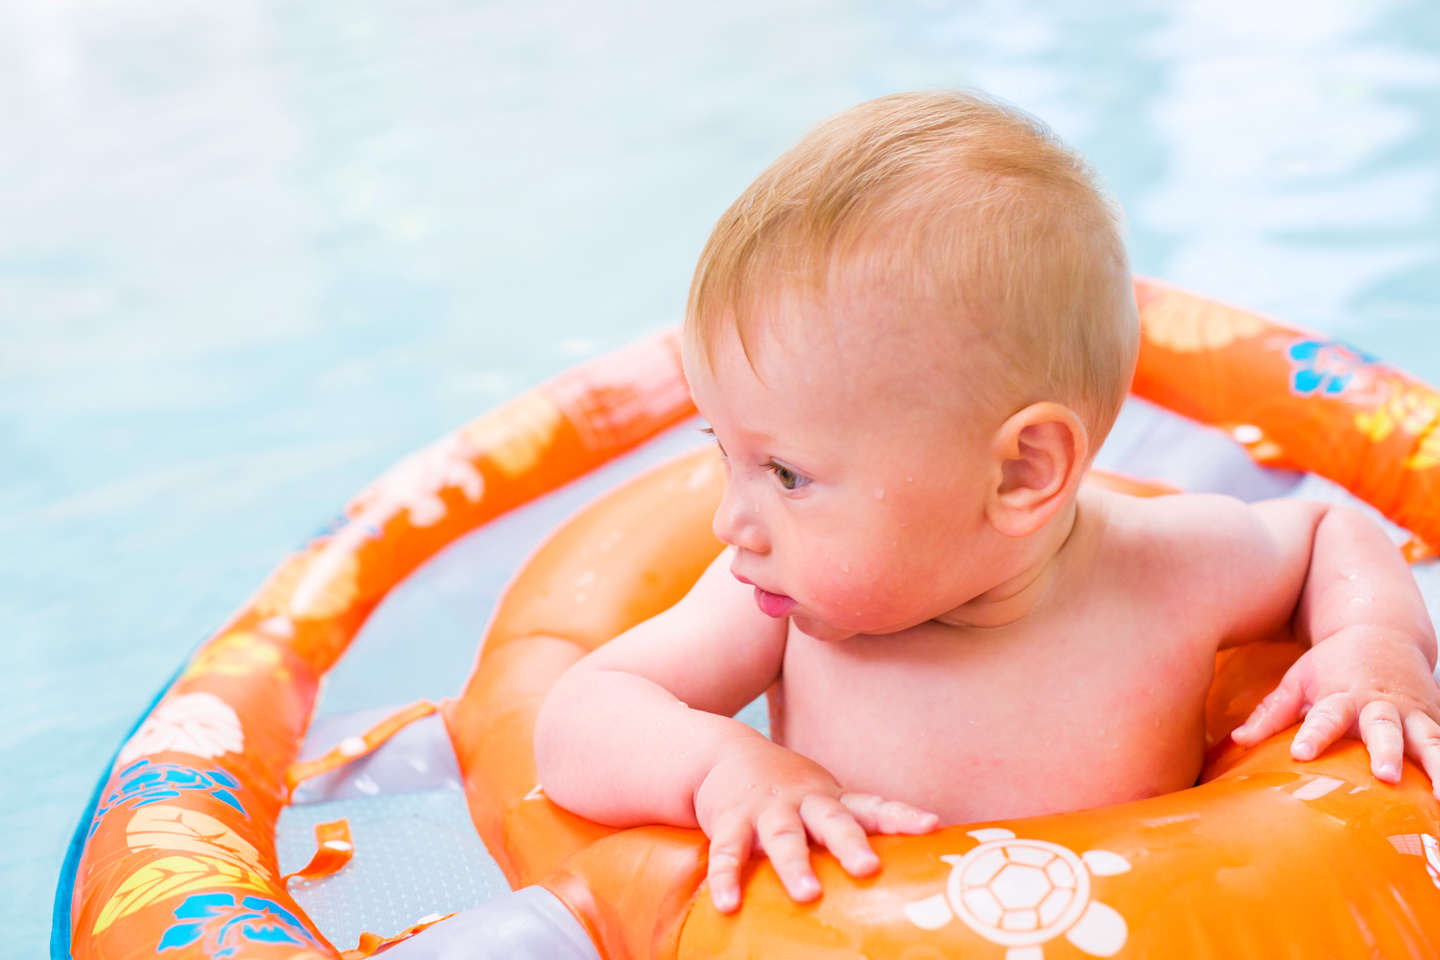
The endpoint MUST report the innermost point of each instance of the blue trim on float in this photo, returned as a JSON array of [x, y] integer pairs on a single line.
[[65, 890]]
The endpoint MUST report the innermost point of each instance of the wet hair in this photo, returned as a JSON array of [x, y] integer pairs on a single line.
[[972, 204]]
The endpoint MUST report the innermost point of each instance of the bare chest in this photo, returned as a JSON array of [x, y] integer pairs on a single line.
[[1040, 718]]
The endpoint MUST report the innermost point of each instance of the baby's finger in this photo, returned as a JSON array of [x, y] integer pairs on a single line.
[[1279, 709], [1422, 741], [878, 815], [1326, 722], [832, 824], [783, 838], [729, 851], [1384, 738], [865, 808]]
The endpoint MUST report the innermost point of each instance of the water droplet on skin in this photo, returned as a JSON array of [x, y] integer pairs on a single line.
[[909, 479], [879, 493], [845, 566], [1102, 731]]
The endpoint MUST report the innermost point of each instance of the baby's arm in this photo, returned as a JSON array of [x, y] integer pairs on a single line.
[[1368, 671], [640, 731]]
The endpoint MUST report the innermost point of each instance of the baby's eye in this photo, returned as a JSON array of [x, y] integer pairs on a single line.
[[788, 478]]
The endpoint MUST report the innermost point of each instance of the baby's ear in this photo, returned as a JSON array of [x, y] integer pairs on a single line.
[[1042, 452]]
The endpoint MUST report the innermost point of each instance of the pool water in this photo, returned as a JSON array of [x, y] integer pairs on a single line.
[[253, 252]]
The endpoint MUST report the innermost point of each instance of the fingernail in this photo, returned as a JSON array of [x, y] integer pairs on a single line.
[[1302, 751], [725, 900], [1388, 772], [863, 863], [807, 888]]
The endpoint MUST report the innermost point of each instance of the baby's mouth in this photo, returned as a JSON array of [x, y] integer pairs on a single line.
[[775, 605]]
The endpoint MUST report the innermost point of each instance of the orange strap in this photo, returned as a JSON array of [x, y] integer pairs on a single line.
[[1416, 550], [373, 943], [333, 849], [352, 748]]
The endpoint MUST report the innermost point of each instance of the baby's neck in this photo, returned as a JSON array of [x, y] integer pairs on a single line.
[[1020, 595]]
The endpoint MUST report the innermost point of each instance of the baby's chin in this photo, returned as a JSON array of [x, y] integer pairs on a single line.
[[820, 630]]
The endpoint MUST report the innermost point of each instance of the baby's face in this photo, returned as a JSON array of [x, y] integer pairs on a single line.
[[856, 475]]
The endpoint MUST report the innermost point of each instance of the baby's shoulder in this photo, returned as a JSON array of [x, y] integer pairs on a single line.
[[1178, 532]]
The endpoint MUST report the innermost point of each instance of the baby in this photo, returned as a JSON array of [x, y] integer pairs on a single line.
[[909, 337]]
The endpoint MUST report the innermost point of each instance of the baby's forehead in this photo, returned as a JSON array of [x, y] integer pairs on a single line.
[[880, 347]]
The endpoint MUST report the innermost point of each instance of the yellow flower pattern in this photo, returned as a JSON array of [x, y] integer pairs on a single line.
[[1186, 324], [1405, 407], [335, 596], [1412, 409], [237, 654], [1426, 455], [515, 436], [206, 855]]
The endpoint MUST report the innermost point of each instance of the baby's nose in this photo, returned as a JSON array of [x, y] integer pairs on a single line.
[[737, 524]]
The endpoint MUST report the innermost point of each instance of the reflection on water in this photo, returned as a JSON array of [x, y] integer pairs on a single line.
[[252, 252]]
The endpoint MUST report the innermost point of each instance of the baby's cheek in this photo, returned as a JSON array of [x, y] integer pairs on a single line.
[[858, 598]]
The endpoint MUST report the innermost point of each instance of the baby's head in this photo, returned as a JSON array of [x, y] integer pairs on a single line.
[[910, 335]]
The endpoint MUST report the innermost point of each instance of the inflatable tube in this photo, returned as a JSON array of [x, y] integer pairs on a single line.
[[176, 855], [176, 858], [1242, 865]]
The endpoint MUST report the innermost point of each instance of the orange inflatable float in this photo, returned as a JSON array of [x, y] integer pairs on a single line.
[[1265, 857]]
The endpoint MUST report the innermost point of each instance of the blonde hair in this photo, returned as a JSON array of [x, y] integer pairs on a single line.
[[980, 209]]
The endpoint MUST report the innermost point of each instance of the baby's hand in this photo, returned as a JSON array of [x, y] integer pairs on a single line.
[[1357, 682], [761, 794]]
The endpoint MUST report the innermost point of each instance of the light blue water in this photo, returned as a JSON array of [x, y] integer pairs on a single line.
[[252, 252]]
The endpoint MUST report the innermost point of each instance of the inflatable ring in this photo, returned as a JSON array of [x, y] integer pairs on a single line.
[[176, 856]]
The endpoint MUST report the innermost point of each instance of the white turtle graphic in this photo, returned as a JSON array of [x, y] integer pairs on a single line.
[[1022, 893]]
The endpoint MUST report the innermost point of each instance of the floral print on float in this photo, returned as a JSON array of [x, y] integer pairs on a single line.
[[237, 654], [1322, 368], [198, 854], [415, 485], [145, 782], [225, 927], [317, 584], [200, 724], [1185, 324]]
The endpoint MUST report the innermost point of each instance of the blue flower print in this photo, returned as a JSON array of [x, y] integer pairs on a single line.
[[1321, 367], [144, 782], [227, 927]]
